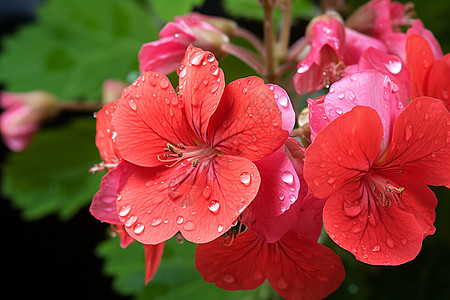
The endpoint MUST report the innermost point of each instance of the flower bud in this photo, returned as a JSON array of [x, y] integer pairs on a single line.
[[23, 115]]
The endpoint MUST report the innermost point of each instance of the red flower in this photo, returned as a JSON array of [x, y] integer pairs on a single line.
[[427, 67], [187, 159], [296, 267], [379, 206]]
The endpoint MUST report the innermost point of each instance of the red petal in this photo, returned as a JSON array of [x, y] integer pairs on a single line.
[[200, 202], [105, 133], [375, 234], [148, 116], [201, 85], [419, 58], [343, 150], [420, 142], [439, 86], [298, 268], [153, 254], [247, 122], [309, 220]]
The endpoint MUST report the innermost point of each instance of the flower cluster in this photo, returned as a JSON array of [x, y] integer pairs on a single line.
[[223, 167]]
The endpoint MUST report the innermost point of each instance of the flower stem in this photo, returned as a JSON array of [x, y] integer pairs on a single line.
[[269, 40], [250, 58], [283, 42], [253, 39]]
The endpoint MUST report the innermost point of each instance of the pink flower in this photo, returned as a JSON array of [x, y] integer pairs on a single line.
[[373, 163], [187, 159], [296, 267], [165, 54], [24, 113]]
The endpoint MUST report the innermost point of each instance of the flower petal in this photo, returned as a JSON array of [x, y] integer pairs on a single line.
[[105, 133], [247, 122], [438, 86], [201, 85], [420, 141], [368, 88], [148, 116], [153, 254], [285, 106], [375, 234], [201, 202], [343, 150]]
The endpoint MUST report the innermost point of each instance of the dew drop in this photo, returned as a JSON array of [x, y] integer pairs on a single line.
[[228, 278], [303, 68], [189, 226], [214, 70], [220, 228], [132, 104], [210, 58], [283, 100], [394, 66], [197, 59], [408, 133], [207, 192], [245, 178], [292, 198], [404, 241], [340, 95], [164, 83], [351, 210], [339, 111], [331, 180], [214, 88], [139, 228], [156, 222], [287, 177], [390, 243], [282, 283], [124, 210], [376, 248], [131, 220], [214, 206], [179, 220]]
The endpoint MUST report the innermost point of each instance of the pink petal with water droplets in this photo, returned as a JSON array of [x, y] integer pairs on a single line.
[[285, 106], [356, 43], [201, 85], [318, 119]]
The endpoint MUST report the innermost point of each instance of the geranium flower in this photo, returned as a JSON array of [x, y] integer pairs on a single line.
[[165, 54], [426, 65], [296, 267], [187, 159], [374, 167]]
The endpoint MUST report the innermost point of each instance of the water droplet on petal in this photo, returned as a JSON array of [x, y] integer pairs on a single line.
[[287, 177], [214, 88], [210, 58], [132, 104], [207, 192], [303, 68], [351, 210], [408, 133], [283, 100], [164, 83], [228, 278], [340, 95], [282, 283], [179, 220], [124, 210], [131, 220], [339, 111], [156, 222], [214, 70], [376, 248], [245, 178], [139, 228], [220, 228], [394, 66], [197, 58], [390, 243], [404, 241], [214, 206], [331, 180], [189, 226]]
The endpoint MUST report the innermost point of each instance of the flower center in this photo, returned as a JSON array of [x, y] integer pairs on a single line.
[[193, 154], [386, 193], [332, 73]]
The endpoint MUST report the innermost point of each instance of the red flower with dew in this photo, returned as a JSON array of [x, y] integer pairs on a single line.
[[296, 267], [379, 206], [103, 206], [187, 158], [427, 66]]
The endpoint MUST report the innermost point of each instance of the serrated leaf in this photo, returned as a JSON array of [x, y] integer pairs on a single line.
[[52, 175], [74, 46], [175, 279]]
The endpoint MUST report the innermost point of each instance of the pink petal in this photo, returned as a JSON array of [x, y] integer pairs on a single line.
[[356, 43], [285, 106]]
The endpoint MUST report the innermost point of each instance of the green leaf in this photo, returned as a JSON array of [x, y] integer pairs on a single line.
[[175, 279], [52, 175], [167, 10], [74, 46]]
